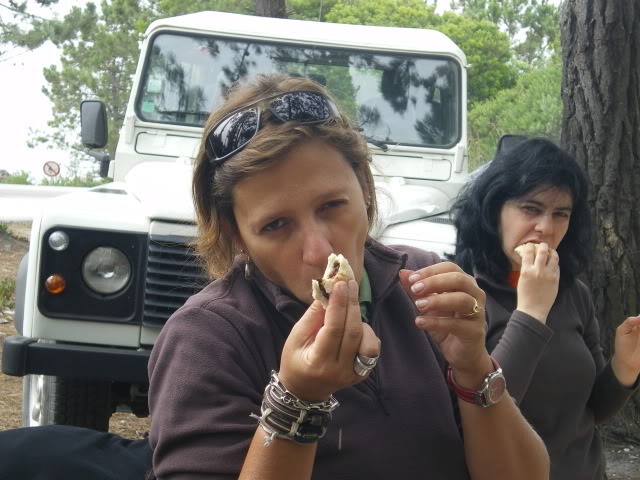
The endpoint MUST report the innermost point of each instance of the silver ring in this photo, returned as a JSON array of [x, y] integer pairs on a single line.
[[362, 365]]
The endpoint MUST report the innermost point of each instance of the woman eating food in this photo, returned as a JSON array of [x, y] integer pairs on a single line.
[[388, 377], [524, 231]]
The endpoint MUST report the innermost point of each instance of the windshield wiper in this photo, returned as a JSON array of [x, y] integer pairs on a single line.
[[184, 112], [378, 143], [374, 141]]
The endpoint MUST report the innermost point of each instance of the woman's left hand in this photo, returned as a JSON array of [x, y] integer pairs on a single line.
[[446, 298], [626, 360]]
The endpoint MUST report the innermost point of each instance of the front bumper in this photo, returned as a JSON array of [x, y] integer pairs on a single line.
[[24, 356]]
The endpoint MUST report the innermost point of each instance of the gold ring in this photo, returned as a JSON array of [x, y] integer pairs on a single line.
[[476, 309]]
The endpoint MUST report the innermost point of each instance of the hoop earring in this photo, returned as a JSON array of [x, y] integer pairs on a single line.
[[248, 268]]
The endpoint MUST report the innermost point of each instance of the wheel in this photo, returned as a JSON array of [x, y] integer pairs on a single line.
[[50, 400]]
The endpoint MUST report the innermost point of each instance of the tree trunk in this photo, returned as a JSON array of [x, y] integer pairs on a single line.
[[601, 126], [271, 8]]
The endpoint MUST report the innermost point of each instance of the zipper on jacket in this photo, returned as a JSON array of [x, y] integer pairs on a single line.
[[378, 392], [374, 376]]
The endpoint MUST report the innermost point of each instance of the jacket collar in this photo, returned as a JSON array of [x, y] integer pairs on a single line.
[[485, 281], [383, 265]]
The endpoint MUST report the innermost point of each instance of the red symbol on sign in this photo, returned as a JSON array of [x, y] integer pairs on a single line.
[[51, 169]]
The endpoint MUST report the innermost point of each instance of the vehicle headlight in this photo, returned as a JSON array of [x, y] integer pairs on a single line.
[[59, 240], [106, 270]]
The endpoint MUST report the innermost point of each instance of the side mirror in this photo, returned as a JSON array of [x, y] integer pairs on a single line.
[[509, 141], [93, 124]]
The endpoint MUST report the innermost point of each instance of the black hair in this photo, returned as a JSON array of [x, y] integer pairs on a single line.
[[513, 173]]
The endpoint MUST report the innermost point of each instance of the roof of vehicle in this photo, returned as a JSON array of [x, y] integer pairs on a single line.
[[394, 39]]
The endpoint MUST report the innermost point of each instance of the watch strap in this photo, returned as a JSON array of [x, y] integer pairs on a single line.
[[477, 397]]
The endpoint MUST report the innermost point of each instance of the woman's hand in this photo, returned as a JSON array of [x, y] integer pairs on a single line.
[[446, 298], [626, 360], [539, 279], [317, 359]]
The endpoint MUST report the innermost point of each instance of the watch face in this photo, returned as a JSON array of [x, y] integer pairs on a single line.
[[496, 389]]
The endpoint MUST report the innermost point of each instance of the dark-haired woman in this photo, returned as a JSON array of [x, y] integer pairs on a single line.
[[541, 323]]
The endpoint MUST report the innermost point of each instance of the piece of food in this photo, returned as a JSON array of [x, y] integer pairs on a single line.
[[338, 269], [520, 248]]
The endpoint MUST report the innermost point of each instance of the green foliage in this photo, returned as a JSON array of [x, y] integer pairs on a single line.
[[5, 230], [532, 107], [17, 178], [7, 287], [99, 57], [170, 8], [387, 13], [488, 54], [532, 25], [100, 48], [487, 49], [310, 9], [87, 180], [100, 63]]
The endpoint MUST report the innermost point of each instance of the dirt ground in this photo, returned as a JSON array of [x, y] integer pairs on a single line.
[[623, 461]]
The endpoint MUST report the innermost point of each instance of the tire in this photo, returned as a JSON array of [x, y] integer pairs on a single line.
[[48, 400]]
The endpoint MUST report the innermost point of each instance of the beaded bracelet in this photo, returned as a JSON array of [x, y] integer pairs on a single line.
[[283, 415]]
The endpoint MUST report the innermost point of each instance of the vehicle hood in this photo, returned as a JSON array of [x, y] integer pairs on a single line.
[[399, 202], [163, 189]]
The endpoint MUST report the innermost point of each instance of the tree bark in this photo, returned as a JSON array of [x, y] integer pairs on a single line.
[[271, 8], [601, 126]]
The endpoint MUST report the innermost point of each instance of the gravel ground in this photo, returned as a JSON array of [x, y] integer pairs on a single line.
[[623, 461]]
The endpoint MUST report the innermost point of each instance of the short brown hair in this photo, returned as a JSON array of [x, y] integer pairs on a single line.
[[213, 187]]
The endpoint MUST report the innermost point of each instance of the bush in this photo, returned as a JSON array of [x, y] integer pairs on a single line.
[[18, 178], [7, 287], [86, 181], [533, 107]]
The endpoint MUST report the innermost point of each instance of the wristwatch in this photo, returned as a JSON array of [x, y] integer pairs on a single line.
[[493, 387]]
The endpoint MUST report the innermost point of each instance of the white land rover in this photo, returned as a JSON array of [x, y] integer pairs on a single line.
[[108, 266]]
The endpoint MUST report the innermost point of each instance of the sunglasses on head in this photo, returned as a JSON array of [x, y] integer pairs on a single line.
[[235, 131]]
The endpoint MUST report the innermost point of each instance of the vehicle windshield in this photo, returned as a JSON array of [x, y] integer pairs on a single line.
[[392, 98]]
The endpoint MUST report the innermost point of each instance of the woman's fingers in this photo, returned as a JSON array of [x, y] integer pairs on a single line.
[[528, 254], [626, 360], [318, 356], [443, 290], [628, 325], [451, 308], [438, 278], [449, 304], [461, 328], [541, 255], [370, 345], [341, 333]]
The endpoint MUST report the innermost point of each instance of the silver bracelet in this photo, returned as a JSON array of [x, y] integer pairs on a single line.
[[284, 415]]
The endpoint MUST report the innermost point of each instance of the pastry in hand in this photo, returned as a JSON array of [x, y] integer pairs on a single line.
[[520, 248], [338, 269]]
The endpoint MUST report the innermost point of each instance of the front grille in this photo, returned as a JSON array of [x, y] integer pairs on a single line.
[[174, 273], [444, 220]]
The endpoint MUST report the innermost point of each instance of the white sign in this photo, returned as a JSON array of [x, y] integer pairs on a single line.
[[51, 169]]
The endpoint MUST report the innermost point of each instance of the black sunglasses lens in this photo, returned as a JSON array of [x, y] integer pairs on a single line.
[[303, 107], [234, 132]]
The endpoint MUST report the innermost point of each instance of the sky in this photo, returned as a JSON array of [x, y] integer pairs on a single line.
[[25, 107]]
